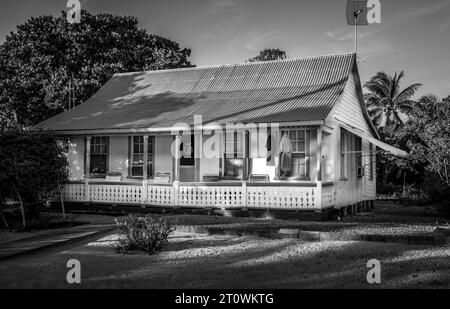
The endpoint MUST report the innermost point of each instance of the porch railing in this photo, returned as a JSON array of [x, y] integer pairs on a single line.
[[201, 195]]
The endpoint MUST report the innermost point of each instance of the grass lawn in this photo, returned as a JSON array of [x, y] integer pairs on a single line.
[[222, 261], [201, 261]]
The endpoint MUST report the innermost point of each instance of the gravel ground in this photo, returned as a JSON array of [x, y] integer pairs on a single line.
[[201, 261], [385, 219]]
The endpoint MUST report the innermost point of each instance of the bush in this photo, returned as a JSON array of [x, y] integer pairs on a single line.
[[149, 234], [414, 196], [439, 193]]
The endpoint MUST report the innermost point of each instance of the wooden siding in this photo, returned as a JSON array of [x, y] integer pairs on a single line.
[[348, 110], [353, 189]]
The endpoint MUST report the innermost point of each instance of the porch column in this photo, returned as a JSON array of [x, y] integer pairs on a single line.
[[87, 169], [245, 154], [176, 169], [318, 190], [144, 172], [87, 166], [176, 158], [319, 154], [198, 153]]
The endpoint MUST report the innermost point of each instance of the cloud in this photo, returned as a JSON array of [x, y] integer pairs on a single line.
[[343, 35], [221, 6], [421, 12], [253, 40], [368, 48], [445, 26]]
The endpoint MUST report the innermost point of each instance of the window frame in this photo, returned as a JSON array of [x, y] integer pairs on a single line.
[[343, 161], [94, 153], [150, 152], [360, 168], [306, 152], [188, 162], [371, 162], [237, 154]]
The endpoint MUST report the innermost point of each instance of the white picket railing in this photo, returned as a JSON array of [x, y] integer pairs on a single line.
[[217, 195], [283, 197], [211, 196]]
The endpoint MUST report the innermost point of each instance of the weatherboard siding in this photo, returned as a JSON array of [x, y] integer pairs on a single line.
[[352, 189], [348, 110]]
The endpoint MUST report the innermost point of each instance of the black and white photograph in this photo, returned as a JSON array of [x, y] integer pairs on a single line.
[[224, 151]]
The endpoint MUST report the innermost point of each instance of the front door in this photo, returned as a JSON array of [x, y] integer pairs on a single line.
[[187, 160]]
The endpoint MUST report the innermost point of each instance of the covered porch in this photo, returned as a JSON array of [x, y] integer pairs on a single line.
[[141, 169]]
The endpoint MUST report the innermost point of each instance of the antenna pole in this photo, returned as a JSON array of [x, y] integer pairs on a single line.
[[356, 35], [356, 16]]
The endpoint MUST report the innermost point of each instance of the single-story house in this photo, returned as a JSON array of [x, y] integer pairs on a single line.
[[279, 135]]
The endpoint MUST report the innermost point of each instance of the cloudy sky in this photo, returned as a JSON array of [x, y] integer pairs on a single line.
[[414, 35]]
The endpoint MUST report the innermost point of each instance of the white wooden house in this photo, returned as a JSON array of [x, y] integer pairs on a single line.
[[127, 139]]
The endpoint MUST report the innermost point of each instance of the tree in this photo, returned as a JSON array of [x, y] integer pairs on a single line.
[[269, 54], [434, 131], [45, 53], [32, 166], [386, 102]]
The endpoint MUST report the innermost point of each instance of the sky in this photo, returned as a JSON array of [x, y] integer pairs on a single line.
[[414, 35]]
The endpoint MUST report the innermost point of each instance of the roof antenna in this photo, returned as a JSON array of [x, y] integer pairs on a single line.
[[356, 18]]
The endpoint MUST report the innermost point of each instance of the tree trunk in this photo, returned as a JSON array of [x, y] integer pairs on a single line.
[[62, 200], [4, 220], [22, 209], [386, 173]]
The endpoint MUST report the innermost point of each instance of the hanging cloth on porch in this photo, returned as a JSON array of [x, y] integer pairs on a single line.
[[285, 154]]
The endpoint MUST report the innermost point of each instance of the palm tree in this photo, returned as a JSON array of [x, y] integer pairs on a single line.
[[385, 102]]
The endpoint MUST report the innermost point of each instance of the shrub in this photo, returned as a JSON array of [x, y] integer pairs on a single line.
[[439, 193], [414, 196], [149, 234]]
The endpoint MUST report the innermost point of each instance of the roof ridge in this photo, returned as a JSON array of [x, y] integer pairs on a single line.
[[237, 64]]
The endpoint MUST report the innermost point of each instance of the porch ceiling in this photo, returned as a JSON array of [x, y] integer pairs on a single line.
[[276, 91]]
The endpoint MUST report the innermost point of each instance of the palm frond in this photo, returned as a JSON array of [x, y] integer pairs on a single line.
[[408, 92]]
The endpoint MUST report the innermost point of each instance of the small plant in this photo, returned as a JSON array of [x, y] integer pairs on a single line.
[[414, 196], [149, 234]]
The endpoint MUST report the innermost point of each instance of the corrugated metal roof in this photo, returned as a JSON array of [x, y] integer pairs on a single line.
[[303, 89]]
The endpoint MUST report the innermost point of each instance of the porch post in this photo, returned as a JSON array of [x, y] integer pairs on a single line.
[[318, 197], [144, 172], [198, 152], [319, 154], [176, 176], [176, 158], [87, 167], [245, 170]]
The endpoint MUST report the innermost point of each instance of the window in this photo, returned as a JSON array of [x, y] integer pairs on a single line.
[[300, 141], [187, 151], [137, 157], [99, 155], [234, 155], [359, 156], [344, 148], [371, 162]]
